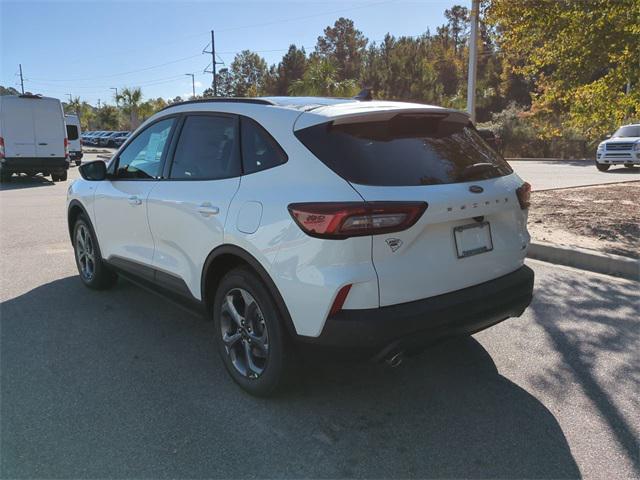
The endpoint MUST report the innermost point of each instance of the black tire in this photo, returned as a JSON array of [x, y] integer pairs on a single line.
[[78, 163], [603, 167], [55, 177], [100, 277], [63, 176], [274, 362], [5, 177], [629, 165]]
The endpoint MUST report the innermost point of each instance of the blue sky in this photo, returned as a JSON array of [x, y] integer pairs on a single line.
[[86, 47]]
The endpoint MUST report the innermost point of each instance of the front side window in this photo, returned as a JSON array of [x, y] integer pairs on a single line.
[[72, 132], [259, 150], [406, 150], [142, 157], [207, 149]]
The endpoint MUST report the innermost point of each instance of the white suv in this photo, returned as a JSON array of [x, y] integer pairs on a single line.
[[622, 148], [376, 227]]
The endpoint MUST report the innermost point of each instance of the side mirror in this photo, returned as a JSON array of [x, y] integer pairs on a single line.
[[94, 171]]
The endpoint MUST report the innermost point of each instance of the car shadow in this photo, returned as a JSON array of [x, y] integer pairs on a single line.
[[26, 181], [123, 384]]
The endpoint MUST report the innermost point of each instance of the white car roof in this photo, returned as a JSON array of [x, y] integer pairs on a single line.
[[306, 111]]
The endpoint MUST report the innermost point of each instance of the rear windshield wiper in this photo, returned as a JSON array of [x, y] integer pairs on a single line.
[[477, 167]]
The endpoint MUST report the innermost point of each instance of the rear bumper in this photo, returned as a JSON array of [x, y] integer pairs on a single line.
[[75, 155], [35, 164], [412, 325]]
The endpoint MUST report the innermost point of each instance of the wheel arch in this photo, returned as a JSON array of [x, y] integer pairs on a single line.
[[226, 257], [74, 210]]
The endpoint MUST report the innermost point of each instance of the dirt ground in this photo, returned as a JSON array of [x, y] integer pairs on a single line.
[[604, 218]]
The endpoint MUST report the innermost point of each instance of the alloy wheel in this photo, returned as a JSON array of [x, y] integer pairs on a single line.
[[85, 253], [244, 333]]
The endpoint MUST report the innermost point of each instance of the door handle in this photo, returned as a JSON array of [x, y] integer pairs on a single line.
[[134, 200], [207, 210], [43, 143]]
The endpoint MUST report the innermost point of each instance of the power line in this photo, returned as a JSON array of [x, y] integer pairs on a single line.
[[294, 19], [124, 73]]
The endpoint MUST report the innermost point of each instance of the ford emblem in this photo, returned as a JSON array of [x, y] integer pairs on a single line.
[[476, 189]]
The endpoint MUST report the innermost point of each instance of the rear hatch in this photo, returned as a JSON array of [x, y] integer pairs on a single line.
[[473, 230]]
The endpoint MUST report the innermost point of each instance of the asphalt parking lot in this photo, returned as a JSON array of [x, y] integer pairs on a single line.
[[548, 174], [122, 384]]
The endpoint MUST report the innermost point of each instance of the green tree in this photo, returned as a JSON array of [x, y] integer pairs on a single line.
[[130, 100], [582, 57], [107, 118], [248, 71], [344, 45], [321, 79], [290, 69], [8, 91], [458, 26]]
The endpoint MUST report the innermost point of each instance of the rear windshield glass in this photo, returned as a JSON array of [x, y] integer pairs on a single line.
[[72, 132], [408, 149]]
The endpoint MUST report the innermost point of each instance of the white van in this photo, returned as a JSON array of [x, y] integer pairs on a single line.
[[33, 137], [74, 132]]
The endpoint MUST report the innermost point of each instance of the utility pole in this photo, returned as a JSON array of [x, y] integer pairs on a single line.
[[98, 104], [214, 83], [473, 60], [70, 97], [193, 83], [116, 89], [21, 79], [213, 63]]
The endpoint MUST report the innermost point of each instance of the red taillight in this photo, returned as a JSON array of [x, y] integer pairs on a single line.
[[524, 195], [354, 219], [340, 299], [1, 147]]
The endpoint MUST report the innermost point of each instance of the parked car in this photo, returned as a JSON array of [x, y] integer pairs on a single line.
[[101, 138], [119, 139], [373, 227], [90, 138], [74, 132], [621, 148], [33, 137]]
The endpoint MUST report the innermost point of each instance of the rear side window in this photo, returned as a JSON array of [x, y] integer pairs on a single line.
[[259, 150], [406, 150], [72, 132], [207, 149]]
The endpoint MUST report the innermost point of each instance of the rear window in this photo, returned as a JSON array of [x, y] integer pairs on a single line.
[[72, 132], [406, 150]]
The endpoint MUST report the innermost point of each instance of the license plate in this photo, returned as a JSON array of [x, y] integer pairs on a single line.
[[473, 239]]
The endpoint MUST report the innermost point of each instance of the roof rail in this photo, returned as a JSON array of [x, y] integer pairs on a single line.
[[256, 101], [30, 95]]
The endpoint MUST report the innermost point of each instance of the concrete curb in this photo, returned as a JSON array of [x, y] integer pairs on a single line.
[[606, 263]]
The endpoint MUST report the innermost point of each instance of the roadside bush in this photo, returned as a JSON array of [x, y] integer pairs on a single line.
[[521, 138]]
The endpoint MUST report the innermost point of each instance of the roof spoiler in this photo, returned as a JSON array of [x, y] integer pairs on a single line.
[[365, 95]]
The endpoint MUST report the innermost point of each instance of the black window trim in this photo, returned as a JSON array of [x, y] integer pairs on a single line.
[[166, 173], [113, 166]]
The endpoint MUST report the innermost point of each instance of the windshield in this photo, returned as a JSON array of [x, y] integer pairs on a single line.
[[408, 149], [628, 131]]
